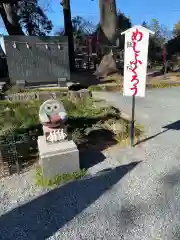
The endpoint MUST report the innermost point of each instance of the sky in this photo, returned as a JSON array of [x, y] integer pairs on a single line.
[[138, 11]]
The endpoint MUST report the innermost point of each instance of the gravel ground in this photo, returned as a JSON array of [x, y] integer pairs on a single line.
[[133, 195]]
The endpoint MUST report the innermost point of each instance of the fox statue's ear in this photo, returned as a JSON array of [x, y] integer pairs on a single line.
[[43, 117]]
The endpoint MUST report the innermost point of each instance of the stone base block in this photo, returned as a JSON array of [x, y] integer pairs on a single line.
[[21, 83], [57, 158], [62, 82]]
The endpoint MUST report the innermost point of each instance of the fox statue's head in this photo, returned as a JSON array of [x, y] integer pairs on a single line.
[[52, 113]]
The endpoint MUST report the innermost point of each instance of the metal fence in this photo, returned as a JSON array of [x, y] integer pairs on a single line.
[[17, 152]]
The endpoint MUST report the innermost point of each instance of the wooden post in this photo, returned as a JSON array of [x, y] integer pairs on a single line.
[[132, 121], [69, 32]]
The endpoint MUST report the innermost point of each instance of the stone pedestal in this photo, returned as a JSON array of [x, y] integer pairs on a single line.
[[57, 158], [21, 83], [62, 82]]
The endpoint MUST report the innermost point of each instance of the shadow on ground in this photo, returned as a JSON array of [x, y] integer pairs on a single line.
[[94, 139], [149, 138], [173, 126], [87, 78], [90, 158], [90, 151], [42, 217], [155, 74]]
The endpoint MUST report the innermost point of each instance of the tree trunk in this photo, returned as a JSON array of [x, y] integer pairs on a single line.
[[69, 31], [108, 19], [107, 36], [10, 19]]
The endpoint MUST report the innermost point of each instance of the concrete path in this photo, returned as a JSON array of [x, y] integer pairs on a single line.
[[154, 186], [139, 201], [159, 108]]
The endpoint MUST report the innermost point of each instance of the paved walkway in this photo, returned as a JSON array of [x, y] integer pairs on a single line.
[[157, 109], [154, 186], [139, 201]]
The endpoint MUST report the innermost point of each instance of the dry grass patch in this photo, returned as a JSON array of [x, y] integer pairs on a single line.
[[115, 78]]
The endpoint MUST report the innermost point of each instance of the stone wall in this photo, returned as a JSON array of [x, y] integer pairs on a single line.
[[36, 59], [45, 95]]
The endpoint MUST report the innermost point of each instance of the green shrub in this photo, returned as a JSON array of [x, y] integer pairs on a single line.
[[58, 179], [22, 117]]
